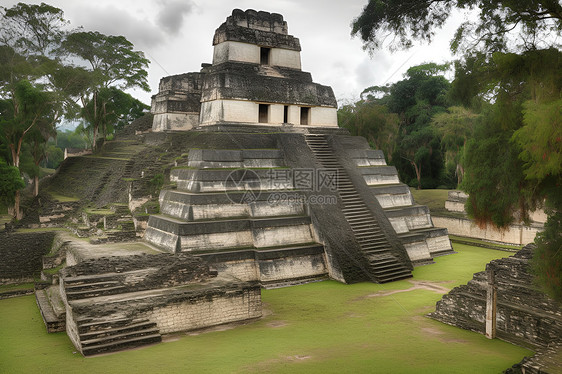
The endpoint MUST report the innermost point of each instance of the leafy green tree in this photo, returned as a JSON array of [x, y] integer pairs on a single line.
[[374, 122], [416, 99], [397, 118], [398, 23], [29, 112], [70, 139], [32, 29], [53, 156], [455, 127], [10, 182], [113, 65]]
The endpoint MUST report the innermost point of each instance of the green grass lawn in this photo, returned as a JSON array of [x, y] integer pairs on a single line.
[[324, 327], [433, 199]]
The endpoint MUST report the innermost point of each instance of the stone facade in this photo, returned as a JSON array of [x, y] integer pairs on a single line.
[[524, 315], [255, 78], [514, 234], [21, 255]]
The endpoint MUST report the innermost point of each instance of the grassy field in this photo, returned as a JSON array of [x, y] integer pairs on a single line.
[[324, 327], [433, 199]]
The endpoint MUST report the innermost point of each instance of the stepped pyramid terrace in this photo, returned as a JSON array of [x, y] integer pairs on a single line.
[[268, 192]]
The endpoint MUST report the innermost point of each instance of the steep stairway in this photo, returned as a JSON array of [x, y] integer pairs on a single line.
[[384, 266], [109, 336], [81, 287]]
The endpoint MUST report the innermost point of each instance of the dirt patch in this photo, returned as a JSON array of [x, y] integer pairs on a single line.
[[417, 285], [432, 331], [435, 332], [274, 324]]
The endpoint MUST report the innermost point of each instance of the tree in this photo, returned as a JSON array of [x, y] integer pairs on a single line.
[[113, 65], [455, 127], [530, 24], [32, 29], [29, 112], [374, 122], [10, 182], [416, 100]]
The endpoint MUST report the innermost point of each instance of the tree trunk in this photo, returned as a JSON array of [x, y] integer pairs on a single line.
[[17, 214], [94, 138], [418, 174], [460, 174], [36, 186]]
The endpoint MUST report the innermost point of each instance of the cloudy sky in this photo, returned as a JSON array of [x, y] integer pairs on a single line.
[[176, 35]]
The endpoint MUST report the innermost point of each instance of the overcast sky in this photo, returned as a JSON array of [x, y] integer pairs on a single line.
[[176, 35]]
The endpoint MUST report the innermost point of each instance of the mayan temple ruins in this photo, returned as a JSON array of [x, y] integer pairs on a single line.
[[267, 191]]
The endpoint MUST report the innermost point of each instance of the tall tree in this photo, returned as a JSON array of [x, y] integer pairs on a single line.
[[32, 30], [374, 122], [30, 110], [455, 127], [112, 64]]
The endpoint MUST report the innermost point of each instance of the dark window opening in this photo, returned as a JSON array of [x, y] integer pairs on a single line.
[[286, 114], [263, 113], [305, 111], [264, 55]]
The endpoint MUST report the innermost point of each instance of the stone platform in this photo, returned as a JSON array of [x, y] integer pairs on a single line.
[[114, 303]]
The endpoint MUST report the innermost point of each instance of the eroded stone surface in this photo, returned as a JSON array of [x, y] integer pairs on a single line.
[[524, 315]]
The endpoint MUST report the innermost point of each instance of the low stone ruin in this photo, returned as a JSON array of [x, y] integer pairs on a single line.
[[503, 302], [122, 302]]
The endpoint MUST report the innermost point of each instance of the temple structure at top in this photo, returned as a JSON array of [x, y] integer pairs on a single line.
[[255, 78]]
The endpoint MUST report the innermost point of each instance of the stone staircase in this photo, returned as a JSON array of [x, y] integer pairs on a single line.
[[109, 336], [81, 287], [411, 222], [384, 266]]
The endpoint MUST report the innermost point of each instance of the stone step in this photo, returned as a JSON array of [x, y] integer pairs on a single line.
[[352, 209], [365, 237], [122, 344], [349, 196], [55, 320], [75, 295], [374, 245], [370, 223], [357, 216], [386, 267], [132, 326], [395, 277], [349, 206], [88, 325], [86, 285]]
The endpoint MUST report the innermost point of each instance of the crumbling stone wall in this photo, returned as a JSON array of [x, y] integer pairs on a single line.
[[144, 272], [525, 315], [21, 255]]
